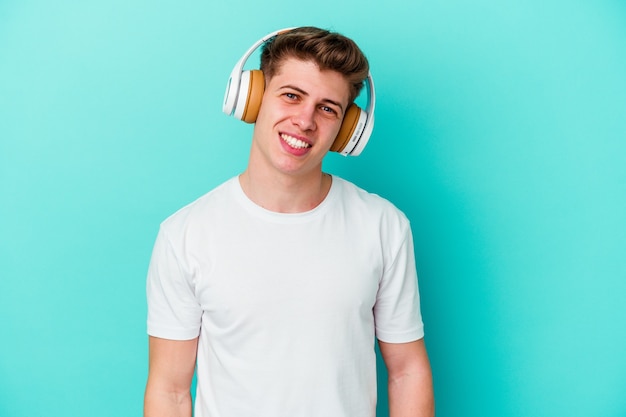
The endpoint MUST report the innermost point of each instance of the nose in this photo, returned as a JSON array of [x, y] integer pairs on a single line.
[[304, 117]]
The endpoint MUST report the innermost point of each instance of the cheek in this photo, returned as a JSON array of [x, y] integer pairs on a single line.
[[333, 128], [264, 117], [271, 109]]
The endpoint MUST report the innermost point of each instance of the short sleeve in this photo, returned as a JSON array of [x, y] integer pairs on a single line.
[[173, 310], [397, 311]]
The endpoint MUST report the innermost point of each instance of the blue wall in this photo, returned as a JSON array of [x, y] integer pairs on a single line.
[[501, 132]]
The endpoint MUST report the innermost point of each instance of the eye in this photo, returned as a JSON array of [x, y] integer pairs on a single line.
[[328, 110], [291, 96]]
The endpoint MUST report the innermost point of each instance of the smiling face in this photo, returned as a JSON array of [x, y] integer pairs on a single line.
[[299, 118]]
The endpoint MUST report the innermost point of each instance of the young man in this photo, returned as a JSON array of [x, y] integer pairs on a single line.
[[275, 285]]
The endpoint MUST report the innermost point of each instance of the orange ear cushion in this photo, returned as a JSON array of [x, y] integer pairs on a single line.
[[255, 96], [347, 128]]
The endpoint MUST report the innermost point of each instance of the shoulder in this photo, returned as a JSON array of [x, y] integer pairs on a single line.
[[203, 208], [363, 203]]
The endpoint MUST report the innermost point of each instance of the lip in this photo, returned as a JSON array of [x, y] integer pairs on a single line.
[[294, 151]]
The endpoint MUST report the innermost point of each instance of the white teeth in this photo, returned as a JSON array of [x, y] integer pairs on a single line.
[[294, 142]]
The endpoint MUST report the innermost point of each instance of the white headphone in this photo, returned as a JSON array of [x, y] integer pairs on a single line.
[[244, 94]]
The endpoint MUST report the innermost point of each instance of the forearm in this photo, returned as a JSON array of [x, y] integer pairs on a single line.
[[166, 404], [411, 395]]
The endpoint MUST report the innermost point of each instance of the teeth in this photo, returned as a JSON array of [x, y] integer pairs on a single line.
[[293, 142]]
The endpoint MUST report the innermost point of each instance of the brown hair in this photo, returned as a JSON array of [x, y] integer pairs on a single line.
[[329, 50]]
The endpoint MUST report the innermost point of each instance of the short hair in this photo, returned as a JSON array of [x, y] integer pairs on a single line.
[[329, 50]]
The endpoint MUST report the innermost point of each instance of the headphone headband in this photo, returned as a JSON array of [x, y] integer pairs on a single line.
[[243, 99], [234, 82]]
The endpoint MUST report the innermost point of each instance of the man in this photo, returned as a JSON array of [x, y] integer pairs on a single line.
[[275, 285]]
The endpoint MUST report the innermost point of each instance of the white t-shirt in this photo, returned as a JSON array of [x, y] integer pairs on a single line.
[[287, 306]]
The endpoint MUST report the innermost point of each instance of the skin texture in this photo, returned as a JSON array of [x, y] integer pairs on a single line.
[[410, 385], [170, 372], [307, 104]]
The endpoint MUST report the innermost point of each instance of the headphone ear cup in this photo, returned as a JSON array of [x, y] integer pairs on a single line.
[[250, 95], [347, 129]]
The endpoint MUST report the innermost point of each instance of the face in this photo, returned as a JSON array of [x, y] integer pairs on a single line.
[[299, 118]]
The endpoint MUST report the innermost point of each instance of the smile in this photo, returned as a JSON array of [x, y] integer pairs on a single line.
[[294, 142]]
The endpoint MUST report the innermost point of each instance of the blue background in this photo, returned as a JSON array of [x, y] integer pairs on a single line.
[[500, 131]]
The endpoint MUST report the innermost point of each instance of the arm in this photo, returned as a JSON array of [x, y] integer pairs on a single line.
[[410, 382], [171, 368]]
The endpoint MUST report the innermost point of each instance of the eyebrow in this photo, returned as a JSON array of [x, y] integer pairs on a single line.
[[304, 93]]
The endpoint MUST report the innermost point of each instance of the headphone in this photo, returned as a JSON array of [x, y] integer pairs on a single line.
[[244, 94]]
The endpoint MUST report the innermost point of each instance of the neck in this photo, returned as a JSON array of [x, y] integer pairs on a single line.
[[285, 194]]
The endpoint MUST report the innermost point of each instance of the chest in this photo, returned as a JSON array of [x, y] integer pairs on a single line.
[[262, 274]]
